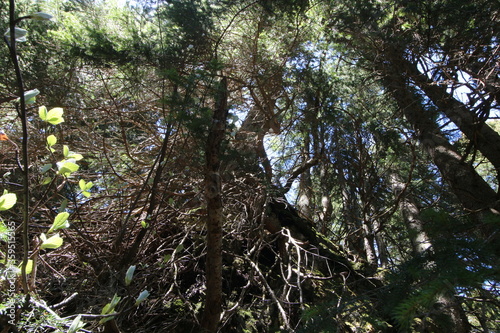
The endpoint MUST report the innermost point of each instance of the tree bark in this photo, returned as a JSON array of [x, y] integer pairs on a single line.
[[484, 138], [420, 242], [469, 187], [213, 301], [305, 184]]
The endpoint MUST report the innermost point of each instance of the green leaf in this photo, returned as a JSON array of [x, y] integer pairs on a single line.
[[29, 267], [142, 296], [129, 275], [179, 248], [7, 200], [114, 301], [106, 309], [4, 232], [53, 242], [30, 96], [46, 180], [46, 168], [19, 34], [84, 187], [76, 324], [103, 320], [51, 140], [40, 16], [65, 151], [109, 308], [60, 222], [144, 224], [75, 156], [67, 167], [42, 112], [63, 206], [54, 116]]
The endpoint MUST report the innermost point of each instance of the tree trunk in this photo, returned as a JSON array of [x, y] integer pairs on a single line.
[[305, 184], [369, 245], [482, 136], [213, 301], [469, 187], [420, 242], [383, 252]]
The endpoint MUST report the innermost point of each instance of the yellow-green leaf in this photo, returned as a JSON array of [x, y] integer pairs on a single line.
[[54, 116], [29, 267], [75, 156], [46, 180], [42, 112], [7, 200], [106, 309], [114, 301], [76, 324], [60, 222], [66, 168], [51, 140], [52, 242]]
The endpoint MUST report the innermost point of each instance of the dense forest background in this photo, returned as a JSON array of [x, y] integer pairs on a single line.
[[250, 166]]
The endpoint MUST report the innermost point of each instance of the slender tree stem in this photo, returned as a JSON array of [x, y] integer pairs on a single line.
[[21, 109], [213, 188]]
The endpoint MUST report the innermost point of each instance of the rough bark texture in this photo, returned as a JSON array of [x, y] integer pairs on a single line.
[[485, 139], [213, 301], [470, 188], [418, 237], [250, 143]]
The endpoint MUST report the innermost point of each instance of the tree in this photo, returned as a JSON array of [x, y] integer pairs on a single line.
[[263, 165], [215, 218]]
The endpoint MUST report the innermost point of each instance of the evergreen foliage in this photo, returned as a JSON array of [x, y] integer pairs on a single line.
[[357, 169]]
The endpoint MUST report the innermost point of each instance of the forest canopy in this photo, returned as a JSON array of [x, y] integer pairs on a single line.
[[250, 166]]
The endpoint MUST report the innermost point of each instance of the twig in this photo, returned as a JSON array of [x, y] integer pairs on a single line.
[[299, 170], [43, 305], [65, 301], [272, 294], [298, 248]]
